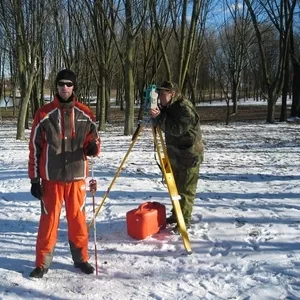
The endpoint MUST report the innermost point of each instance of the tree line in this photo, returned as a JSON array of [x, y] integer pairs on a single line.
[[213, 49]]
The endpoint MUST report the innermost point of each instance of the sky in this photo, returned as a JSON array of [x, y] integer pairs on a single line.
[[245, 233]]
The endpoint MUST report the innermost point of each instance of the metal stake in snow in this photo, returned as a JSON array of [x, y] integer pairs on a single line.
[[93, 189]]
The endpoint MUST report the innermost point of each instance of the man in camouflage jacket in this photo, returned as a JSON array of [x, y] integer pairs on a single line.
[[177, 117]]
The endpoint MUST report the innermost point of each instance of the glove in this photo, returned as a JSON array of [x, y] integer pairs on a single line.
[[91, 149], [36, 190]]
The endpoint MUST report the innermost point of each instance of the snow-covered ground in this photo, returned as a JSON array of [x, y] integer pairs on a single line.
[[245, 234]]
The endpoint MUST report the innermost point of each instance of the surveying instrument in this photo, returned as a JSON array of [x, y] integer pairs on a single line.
[[150, 101]]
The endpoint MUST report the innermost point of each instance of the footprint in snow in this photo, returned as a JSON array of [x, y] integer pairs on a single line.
[[220, 247], [295, 224], [253, 242], [256, 237], [239, 222]]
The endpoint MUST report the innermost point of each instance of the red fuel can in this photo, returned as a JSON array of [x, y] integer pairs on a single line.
[[146, 220], [161, 214]]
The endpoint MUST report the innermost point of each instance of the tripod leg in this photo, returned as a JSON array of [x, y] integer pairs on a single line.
[[134, 139], [173, 192]]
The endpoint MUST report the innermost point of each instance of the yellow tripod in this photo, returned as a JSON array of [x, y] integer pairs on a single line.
[[168, 176]]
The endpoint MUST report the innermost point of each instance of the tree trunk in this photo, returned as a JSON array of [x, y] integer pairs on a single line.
[[107, 106], [295, 109], [234, 96], [34, 99], [271, 110], [227, 111], [192, 89], [285, 93], [102, 118], [129, 89], [22, 114], [98, 101]]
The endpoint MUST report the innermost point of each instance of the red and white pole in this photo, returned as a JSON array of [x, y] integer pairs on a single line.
[[93, 189]]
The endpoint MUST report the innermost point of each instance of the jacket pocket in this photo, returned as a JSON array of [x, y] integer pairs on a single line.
[[184, 157]]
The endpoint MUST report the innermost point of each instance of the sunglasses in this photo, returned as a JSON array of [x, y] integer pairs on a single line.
[[68, 84]]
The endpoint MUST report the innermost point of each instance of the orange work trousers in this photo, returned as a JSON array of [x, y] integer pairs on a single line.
[[74, 195]]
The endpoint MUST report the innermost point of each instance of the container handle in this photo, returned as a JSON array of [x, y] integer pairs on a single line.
[[146, 205]]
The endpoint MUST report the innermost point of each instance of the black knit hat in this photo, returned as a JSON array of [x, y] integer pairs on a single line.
[[67, 75], [168, 86]]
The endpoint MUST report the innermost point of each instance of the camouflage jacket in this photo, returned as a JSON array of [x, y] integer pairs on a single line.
[[181, 125]]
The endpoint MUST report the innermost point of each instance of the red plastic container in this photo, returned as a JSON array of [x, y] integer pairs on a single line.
[[146, 220], [161, 211]]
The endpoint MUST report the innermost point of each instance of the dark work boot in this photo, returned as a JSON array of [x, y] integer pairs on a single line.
[[85, 267], [171, 219], [38, 272], [176, 230]]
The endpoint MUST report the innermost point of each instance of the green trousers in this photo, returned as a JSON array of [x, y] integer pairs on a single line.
[[186, 179]]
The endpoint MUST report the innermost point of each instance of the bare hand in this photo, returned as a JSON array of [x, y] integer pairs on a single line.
[[154, 112]]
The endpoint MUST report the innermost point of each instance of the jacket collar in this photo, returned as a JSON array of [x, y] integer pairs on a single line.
[[64, 105], [174, 99]]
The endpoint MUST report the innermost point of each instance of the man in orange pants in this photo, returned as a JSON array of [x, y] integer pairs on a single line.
[[63, 134]]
